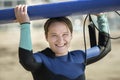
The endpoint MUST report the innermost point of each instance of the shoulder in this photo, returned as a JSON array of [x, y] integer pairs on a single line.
[[44, 53], [38, 56], [78, 54]]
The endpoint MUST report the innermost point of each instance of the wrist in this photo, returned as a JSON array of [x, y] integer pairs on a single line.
[[103, 23], [25, 26], [25, 23], [101, 16]]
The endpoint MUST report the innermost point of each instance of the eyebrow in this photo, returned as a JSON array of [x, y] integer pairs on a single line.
[[56, 33]]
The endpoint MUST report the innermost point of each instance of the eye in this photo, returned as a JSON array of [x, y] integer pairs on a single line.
[[54, 35], [66, 34]]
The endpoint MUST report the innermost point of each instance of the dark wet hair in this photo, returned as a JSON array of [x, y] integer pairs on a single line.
[[57, 19]]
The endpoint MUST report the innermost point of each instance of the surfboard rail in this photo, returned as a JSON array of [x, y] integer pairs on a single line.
[[76, 7]]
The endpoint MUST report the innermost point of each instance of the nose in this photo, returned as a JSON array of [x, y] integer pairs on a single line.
[[60, 40]]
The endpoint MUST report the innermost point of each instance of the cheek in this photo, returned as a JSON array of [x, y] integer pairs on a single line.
[[51, 40], [68, 39]]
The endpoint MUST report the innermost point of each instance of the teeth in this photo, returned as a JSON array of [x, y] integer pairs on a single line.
[[60, 45]]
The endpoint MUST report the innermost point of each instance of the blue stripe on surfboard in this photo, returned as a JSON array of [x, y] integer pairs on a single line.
[[63, 9]]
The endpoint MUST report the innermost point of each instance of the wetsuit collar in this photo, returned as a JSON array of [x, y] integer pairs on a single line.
[[48, 52]]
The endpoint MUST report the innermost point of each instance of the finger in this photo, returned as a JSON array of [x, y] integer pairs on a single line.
[[21, 8], [16, 8], [25, 9], [16, 11]]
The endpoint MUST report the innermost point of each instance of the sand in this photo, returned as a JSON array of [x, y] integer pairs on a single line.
[[10, 69]]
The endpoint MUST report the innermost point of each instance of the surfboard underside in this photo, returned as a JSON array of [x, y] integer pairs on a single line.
[[76, 7]]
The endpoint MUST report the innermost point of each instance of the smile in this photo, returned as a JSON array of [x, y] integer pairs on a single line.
[[60, 45]]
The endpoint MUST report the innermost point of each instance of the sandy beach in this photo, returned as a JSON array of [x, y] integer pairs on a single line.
[[10, 69]]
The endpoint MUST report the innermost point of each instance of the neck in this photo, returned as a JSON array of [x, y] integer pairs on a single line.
[[58, 54]]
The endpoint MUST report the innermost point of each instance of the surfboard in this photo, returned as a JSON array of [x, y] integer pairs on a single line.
[[68, 8]]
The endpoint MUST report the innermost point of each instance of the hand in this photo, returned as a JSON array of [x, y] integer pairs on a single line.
[[21, 14]]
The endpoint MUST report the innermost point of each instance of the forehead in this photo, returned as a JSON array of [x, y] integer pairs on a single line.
[[58, 27]]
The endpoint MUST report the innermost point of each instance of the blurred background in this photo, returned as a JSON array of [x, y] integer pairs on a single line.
[[10, 69]]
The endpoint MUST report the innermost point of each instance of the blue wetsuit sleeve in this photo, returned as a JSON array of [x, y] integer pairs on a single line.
[[92, 52], [104, 44]]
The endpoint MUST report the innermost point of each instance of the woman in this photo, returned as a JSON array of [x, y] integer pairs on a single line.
[[56, 62]]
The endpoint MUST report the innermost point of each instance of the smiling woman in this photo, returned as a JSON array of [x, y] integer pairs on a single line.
[[59, 40], [56, 62], [58, 34]]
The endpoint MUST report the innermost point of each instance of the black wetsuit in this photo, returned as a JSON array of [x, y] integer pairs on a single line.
[[44, 65]]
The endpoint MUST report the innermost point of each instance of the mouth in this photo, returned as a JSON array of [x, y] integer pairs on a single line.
[[60, 45]]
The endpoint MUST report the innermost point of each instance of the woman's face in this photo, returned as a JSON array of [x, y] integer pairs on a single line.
[[59, 37]]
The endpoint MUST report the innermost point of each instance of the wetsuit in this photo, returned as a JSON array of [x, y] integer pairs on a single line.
[[44, 65]]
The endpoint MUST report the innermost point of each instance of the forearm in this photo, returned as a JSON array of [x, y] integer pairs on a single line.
[[104, 43], [25, 37], [103, 23], [26, 57], [104, 33]]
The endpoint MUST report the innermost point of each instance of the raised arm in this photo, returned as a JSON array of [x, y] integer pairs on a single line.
[[26, 57], [104, 44]]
